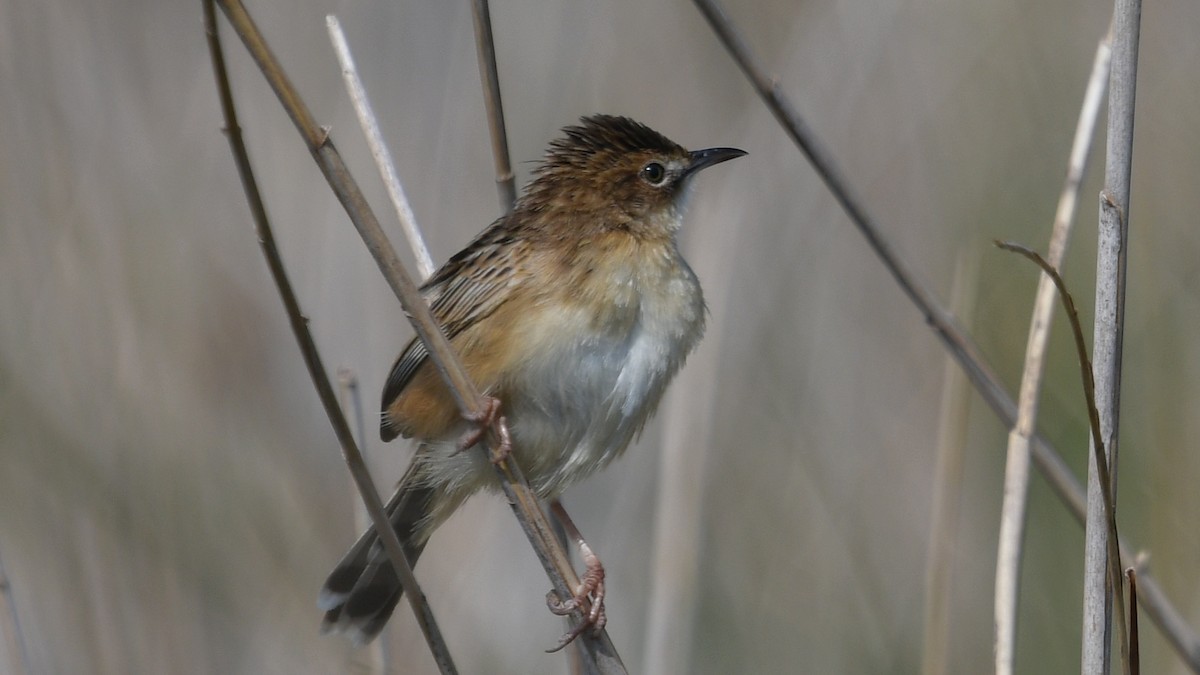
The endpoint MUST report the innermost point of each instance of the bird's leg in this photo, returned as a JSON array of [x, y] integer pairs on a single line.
[[589, 597], [488, 417]]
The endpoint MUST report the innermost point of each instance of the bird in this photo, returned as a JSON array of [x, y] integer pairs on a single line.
[[572, 313]]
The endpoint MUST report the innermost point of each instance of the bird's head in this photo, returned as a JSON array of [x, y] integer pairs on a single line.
[[620, 171]]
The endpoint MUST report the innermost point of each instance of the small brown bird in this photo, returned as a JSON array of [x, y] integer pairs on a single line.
[[574, 310]]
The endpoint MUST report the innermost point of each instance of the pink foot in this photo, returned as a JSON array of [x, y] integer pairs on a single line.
[[488, 418], [588, 599]]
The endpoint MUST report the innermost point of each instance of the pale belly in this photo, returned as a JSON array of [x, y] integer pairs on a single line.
[[583, 406]]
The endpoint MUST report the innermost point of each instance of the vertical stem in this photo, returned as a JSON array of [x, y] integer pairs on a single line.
[[947, 487], [1111, 257], [678, 525], [374, 655], [485, 49], [1135, 666]]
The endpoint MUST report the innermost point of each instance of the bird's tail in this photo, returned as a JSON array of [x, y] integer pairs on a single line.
[[361, 592]]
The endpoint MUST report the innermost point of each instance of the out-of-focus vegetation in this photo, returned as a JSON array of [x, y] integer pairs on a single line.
[[171, 496]]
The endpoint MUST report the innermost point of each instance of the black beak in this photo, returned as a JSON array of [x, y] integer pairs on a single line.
[[701, 159]]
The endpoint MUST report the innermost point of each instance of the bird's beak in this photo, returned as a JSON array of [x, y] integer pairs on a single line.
[[701, 159]]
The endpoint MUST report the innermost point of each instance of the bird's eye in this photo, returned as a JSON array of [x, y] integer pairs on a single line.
[[654, 173]]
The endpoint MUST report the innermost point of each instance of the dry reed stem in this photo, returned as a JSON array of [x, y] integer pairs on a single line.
[[485, 51], [379, 149], [947, 483], [374, 659], [1111, 256]]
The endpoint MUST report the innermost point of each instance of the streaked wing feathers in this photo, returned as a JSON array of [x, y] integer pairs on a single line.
[[464, 291]]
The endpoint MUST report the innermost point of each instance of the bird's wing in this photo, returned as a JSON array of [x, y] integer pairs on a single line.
[[464, 291]]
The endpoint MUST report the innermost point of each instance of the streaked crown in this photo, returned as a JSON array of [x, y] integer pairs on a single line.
[[616, 165]]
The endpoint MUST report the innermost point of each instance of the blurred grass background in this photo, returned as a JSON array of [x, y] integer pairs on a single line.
[[171, 496]]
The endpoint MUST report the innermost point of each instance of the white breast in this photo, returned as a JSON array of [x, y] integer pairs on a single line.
[[587, 400]]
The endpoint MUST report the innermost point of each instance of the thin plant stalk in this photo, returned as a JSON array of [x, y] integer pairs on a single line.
[[1111, 257], [521, 498], [374, 655], [485, 50], [678, 539], [947, 483], [379, 148], [1135, 666], [982, 376], [312, 359], [1016, 474], [678, 534], [350, 400]]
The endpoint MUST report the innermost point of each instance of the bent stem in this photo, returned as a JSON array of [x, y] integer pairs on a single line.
[[1099, 456]]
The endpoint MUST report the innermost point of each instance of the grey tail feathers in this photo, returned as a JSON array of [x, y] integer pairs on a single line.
[[359, 595]]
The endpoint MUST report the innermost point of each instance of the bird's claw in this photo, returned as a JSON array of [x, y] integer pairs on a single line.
[[488, 417], [588, 600]]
